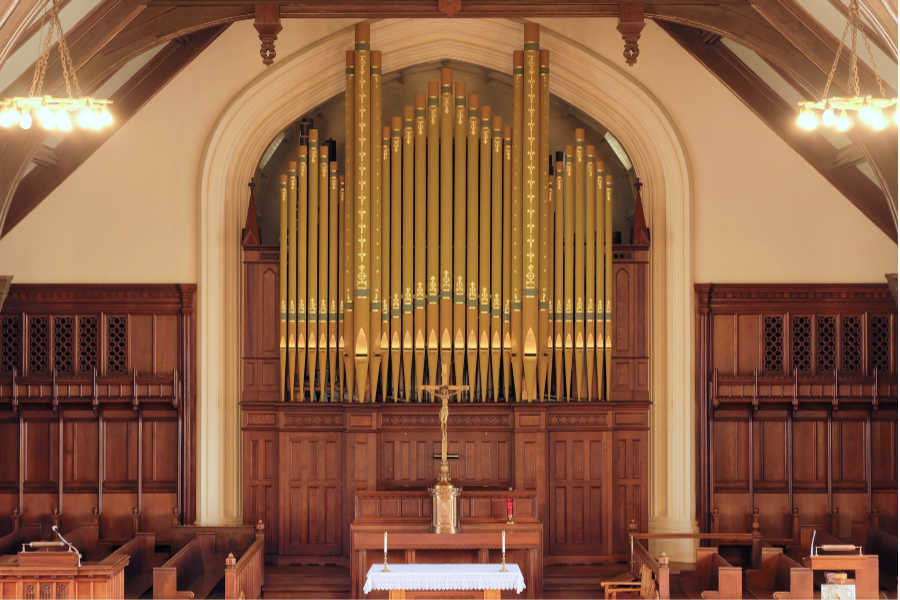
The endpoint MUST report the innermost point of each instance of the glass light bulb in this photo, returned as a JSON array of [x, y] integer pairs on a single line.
[[897, 115], [9, 117], [63, 121], [85, 118], [45, 117], [807, 120], [867, 115], [829, 118], [843, 123], [879, 121], [25, 120], [106, 118]]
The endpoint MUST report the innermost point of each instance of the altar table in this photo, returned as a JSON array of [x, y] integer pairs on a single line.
[[487, 578]]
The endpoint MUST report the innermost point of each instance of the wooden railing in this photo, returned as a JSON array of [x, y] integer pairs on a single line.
[[640, 556], [244, 577]]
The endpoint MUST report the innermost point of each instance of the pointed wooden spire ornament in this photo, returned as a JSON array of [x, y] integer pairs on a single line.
[[250, 235]]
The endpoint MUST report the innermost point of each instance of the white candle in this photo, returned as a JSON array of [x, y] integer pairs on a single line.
[[503, 538], [385, 542]]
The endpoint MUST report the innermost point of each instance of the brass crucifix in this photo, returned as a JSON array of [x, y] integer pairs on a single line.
[[444, 392]]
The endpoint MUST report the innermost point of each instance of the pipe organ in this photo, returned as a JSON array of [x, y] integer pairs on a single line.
[[453, 248]]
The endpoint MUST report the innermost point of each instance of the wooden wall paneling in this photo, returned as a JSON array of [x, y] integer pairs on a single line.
[[749, 343], [260, 474], [630, 460], [530, 461], [361, 452], [771, 472], [630, 372], [261, 287], [310, 508]]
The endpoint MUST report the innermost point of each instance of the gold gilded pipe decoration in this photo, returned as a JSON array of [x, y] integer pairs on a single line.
[[343, 289], [600, 277], [446, 224], [496, 241], [396, 257], [283, 285], [302, 213], [559, 278], [578, 386], [333, 294], [322, 277], [544, 344], [590, 274], [292, 278], [312, 266], [375, 295], [432, 215], [408, 251], [545, 302], [362, 230], [459, 230], [472, 246], [419, 244], [530, 198], [516, 226], [506, 259], [348, 331], [608, 283], [569, 271], [385, 258], [484, 253]]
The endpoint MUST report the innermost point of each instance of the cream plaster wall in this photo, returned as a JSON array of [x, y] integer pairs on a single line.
[[761, 213], [130, 212]]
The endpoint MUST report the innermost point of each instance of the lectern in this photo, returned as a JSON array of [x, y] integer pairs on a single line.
[[57, 574]]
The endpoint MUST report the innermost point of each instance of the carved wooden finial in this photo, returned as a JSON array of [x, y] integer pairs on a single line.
[[663, 560], [268, 24], [260, 526], [230, 561], [639, 233], [631, 22], [251, 235]]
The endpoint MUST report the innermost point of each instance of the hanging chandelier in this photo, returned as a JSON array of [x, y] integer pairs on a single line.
[[840, 112], [55, 113]]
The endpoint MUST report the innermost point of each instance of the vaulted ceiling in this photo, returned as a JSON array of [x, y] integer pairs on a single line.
[[769, 53]]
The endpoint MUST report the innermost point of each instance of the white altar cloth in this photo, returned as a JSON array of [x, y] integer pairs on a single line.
[[439, 577]]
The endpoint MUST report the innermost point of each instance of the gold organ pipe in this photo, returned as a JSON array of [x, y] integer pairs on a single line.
[[343, 286], [578, 386], [608, 280], [590, 275], [600, 278], [432, 216], [333, 295], [530, 197], [569, 271], [545, 307], [375, 226], [484, 253], [496, 241], [507, 245], [302, 212], [292, 277], [559, 277], [544, 344], [362, 232], [408, 250], [419, 245], [446, 223], [385, 257], [396, 257], [322, 325], [516, 226], [312, 265], [283, 284], [459, 230], [349, 290], [472, 245]]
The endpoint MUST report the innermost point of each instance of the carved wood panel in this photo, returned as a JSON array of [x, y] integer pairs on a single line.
[[631, 468], [260, 483], [310, 481]]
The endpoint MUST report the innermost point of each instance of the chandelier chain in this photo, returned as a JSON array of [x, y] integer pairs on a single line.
[[837, 59], [40, 67], [854, 61], [878, 78], [65, 58]]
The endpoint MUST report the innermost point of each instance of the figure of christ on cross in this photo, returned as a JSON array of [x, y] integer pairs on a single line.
[[444, 392]]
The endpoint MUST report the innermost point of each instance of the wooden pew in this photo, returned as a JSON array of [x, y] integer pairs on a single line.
[[778, 577], [192, 572], [713, 577], [11, 533], [244, 576], [884, 545], [141, 550]]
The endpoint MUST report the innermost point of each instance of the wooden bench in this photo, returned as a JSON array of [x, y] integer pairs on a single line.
[[884, 545], [192, 572], [713, 577], [244, 576], [11, 533], [779, 576], [143, 558]]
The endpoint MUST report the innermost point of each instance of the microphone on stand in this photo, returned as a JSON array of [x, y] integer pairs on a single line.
[[55, 530]]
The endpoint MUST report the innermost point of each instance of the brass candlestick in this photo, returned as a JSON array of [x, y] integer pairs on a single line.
[[385, 569], [503, 568]]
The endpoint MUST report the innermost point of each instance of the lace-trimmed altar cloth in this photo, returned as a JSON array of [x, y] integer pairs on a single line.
[[445, 577]]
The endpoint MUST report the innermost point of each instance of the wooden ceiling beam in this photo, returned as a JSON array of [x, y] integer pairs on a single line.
[[780, 117], [876, 36], [16, 20], [851, 154], [883, 16], [128, 99]]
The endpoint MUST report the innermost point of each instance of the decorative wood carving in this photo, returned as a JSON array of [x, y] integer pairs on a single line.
[[631, 23], [267, 21], [640, 233], [251, 235], [797, 398], [449, 8]]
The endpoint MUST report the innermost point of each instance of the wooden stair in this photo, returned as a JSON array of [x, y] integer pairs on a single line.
[[306, 581]]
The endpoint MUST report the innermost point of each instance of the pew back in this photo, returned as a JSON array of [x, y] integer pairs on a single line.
[[779, 576], [141, 550], [244, 577], [191, 572], [715, 575]]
